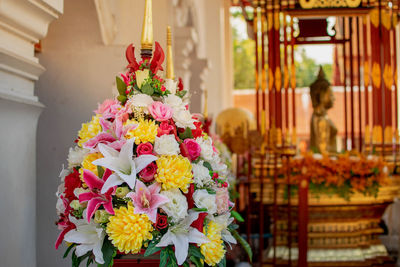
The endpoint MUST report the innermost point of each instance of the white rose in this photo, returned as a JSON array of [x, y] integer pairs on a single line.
[[177, 207], [76, 156], [141, 76], [201, 174], [207, 150], [171, 85], [75, 204], [166, 145], [174, 101], [183, 119], [141, 101], [204, 200]]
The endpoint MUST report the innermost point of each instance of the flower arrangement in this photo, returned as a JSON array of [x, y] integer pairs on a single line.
[[343, 175], [145, 178]]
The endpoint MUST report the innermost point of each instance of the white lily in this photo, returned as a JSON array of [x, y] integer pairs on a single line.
[[123, 164], [89, 236], [224, 220], [180, 235]]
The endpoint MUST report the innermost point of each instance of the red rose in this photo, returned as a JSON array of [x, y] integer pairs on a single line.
[[71, 182], [193, 148], [199, 223], [165, 128], [162, 221], [147, 174], [144, 149]]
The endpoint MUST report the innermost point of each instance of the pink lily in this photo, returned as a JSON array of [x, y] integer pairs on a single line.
[[112, 135], [64, 224], [94, 197], [146, 200]]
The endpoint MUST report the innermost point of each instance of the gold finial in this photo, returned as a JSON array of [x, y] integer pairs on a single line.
[[205, 111], [170, 61], [147, 31]]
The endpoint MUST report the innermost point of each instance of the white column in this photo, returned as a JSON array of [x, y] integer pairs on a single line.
[[22, 24]]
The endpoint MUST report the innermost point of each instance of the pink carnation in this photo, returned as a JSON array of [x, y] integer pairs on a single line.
[[222, 199], [108, 108], [160, 111], [144, 149]]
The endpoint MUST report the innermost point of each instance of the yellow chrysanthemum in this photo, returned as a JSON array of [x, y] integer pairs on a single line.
[[89, 130], [214, 250], [88, 165], [146, 131], [174, 172], [128, 231]]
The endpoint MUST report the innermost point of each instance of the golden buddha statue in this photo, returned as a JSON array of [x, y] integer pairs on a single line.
[[323, 131]]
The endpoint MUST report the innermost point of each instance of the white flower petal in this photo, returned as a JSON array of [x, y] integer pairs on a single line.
[[197, 237], [82, 249], [181, 248], [166, 240], [112, 163], [113, 180], [127, 149], [107, 151], [142, 161]]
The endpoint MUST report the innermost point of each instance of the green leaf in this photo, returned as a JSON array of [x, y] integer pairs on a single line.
[[186, 264], [172, 260], [211, 191], [186, 134], [89, 261], [108, 253], [222, 263], [68, 250], [195, 251], [196, 261], [163, 257], [100, 171], [147, 89], [121, 86], [244, 244], [237, 216], [199, 209], [122, 99], [207, 165], [151, 249], [233, 226]]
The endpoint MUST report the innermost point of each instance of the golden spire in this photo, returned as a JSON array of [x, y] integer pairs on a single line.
[[205, 111], [147, 31], [170, 61]]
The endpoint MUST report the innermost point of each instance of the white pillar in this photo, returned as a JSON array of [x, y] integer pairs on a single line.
[[22, 24]]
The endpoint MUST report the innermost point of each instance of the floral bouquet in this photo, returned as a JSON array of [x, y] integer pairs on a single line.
[[144, 178], [342, 175]]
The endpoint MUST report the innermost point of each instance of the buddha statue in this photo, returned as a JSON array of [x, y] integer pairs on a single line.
[[323, 131]]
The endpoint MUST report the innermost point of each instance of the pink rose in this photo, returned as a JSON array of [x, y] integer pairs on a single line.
[[222, 200], [193, 149], [147, 174], [108, 108], [144, 149], [160, 111]]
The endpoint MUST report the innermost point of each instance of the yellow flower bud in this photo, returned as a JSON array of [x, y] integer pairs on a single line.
[[141, 76], [75, 204], [122, 191], [101, 216]]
